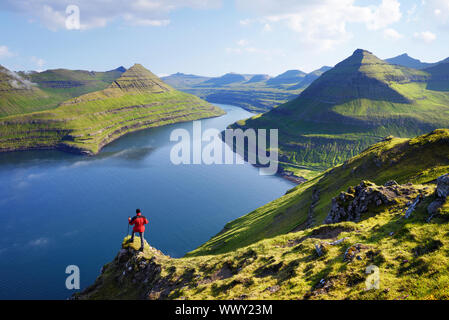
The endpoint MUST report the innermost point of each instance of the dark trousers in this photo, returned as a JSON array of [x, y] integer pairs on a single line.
[[141, 238]]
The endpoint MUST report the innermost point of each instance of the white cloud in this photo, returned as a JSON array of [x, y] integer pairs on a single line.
[[244, 47], [392, 34], [242, 42], [438, 10], [39, 242], [18, 82], [322, 23], [245, 22], [38, 62], [98, 13], [267, 27], [4, 52], [425, 36]]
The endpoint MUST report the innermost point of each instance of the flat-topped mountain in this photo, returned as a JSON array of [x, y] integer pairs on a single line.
[[181, 80], [259, 78], [226, 79], [353, 105]]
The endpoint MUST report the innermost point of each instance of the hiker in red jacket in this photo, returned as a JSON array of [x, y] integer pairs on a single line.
[[139, 222]]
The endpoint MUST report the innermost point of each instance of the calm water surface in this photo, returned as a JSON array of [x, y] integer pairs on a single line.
[[58, 209]]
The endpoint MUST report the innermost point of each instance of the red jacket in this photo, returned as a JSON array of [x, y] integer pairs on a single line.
[[139, 222]]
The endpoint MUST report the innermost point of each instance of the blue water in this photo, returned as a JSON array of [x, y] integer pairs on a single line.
[[59, 209]]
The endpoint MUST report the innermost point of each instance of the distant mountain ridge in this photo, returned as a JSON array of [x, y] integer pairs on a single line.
[[406, 61], [254, 92]]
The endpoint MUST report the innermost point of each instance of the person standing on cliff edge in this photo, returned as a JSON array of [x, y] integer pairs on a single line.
[[139, 222]]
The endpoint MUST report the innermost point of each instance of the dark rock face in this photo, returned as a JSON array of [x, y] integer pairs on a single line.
[[443, 186], [442, 192], [350, 205]]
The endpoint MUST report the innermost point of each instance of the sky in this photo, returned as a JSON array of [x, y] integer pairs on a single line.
[[214, 37]]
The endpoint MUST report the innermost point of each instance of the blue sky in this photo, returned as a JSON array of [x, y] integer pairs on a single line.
[[213, 37]]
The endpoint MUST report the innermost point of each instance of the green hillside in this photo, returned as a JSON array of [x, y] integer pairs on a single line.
[[136, 100], [419, 160], [19, 95], [66, 84], [439, 80], [36, 91], [355, 104], [280, 251]]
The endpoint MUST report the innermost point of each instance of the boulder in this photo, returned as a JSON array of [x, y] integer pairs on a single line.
[[443, 186], [432, 209]]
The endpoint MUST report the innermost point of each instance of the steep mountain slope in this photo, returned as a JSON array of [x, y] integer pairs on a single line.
[[351, 106], [439, 80], [19, 95], [419, 160], [270, 254], [136, 100], [406, 61]]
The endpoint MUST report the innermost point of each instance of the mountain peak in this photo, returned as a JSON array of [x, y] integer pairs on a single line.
[[361, 52], [141, 79], [120, 69]]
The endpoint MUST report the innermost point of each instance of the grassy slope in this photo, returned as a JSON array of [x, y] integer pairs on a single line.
[[412, 254], [50, 88], [351, 107], [418, 160], [135, 101], [19, 96]]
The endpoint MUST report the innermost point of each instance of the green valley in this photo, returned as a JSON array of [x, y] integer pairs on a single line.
[[253, 92]]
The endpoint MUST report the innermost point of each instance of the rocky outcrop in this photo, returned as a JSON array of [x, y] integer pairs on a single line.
[[135, 275], [441, 193], [443, 186], [352, 204]]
